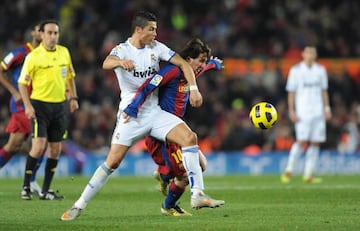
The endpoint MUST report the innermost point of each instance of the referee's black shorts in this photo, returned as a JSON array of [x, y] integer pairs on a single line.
[[50, 121]]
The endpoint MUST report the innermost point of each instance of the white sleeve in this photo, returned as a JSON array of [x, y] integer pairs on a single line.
[[165, 53], [324, 82], [118, 51], [291, 83]]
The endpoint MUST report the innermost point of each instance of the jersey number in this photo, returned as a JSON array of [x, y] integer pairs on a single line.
[[177, 156]]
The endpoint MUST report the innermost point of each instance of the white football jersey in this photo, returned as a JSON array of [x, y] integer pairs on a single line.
[[307, 83], [146, 61]]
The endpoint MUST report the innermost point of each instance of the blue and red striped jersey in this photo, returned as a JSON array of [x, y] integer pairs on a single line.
[[13, 62], [173, 90]]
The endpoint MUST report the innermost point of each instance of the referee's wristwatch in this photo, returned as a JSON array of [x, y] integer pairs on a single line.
[[74, 98]]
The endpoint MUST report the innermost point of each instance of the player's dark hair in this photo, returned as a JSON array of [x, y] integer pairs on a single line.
[[34, 25], [141, 19], [47, 21], [194, 48]]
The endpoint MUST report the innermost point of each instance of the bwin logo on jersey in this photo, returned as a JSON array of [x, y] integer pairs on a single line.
[[144, 74]]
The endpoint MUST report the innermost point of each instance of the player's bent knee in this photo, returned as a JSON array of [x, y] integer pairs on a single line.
[[190, 139]]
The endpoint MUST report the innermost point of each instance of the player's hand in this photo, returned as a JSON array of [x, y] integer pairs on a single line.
[[127, 65], [74, 105], [293, 116], [218, 62], [131, 110], [327, 114], [126, 117], [195, 98], [30, 112]]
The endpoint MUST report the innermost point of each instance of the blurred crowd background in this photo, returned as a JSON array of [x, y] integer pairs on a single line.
[[241, 29]]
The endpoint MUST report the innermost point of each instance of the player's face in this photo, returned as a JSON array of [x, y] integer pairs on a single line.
[[148, 33], [309, 54], [35, 33], [50, 36], [198, 63]]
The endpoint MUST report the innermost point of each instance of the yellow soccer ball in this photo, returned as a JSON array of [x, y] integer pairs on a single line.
[[263, 115]]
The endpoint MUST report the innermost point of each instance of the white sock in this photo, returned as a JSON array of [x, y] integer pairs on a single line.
[[311, 158], [192, 166], [96, 182], [295, 152]]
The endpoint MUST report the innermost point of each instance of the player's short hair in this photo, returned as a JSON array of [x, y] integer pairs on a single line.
[[34, 25], [194, 48], [141, 19], [305, 45], [47, 21]]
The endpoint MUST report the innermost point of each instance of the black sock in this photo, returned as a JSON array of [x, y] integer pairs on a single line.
[[50, 170], [29, 168]]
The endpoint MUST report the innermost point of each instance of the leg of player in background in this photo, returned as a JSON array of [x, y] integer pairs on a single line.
[[34, 186], [312, 155], [169, 160], [5, 156], [176, 189], [11, 148], [295, 152], [178, 184], [317, 136]]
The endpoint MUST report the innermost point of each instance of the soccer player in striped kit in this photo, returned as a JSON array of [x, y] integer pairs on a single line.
[[19, 126], [309, 108]]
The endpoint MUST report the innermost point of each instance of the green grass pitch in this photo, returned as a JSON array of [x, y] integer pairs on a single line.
[[133, 203]]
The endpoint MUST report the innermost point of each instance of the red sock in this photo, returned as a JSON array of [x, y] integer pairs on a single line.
[[173, 187], [4, 154], [4, 157]]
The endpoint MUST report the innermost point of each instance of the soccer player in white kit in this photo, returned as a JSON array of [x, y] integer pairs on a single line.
[[134, 61], [309, 109]]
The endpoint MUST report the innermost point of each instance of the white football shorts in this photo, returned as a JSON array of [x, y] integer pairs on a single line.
[[313, 130], [156, 123]]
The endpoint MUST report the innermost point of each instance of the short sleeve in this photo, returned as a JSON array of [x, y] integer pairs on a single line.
[[165, 53], [12, 59], [71, 72], [118, 51]]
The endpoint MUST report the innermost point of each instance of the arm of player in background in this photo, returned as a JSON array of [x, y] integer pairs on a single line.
[[5, 82], [161, 78]]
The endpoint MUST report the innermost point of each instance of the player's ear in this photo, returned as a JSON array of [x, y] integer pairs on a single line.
[[138, 29]]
